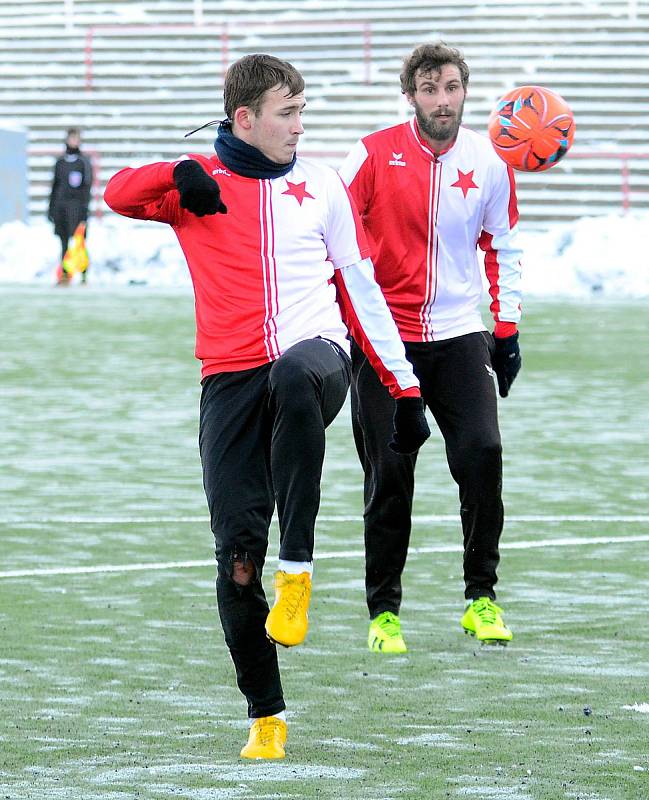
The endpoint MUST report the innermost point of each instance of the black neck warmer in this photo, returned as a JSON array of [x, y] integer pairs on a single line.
[[244, 159]]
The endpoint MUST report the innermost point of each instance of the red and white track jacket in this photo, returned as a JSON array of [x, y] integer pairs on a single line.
[[425, 215], [266, 275]]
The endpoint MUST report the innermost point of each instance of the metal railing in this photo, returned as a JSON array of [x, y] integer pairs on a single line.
[[626, 189], [630, 192], [225, 30]]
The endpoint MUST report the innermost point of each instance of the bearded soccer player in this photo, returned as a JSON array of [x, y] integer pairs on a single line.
[[270, 240], [430, 192]]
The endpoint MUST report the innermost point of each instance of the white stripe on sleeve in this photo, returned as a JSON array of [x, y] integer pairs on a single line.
[[376, 327]]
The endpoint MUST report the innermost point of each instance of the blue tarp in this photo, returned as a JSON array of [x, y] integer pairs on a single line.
[[13, 176]]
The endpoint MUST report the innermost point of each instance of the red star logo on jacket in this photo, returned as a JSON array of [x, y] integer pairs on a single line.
[[465, 181], [298, 191]]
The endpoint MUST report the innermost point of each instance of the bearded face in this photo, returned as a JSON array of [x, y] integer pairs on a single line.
[[440, 126], [439, 103]]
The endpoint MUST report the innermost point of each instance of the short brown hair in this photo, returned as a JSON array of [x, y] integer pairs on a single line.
[[429, 58], [249, 78]]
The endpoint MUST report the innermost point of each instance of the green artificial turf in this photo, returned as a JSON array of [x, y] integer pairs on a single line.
[[116, 683]]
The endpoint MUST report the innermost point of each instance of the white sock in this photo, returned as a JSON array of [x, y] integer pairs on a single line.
[[280, 715], [295, 567]]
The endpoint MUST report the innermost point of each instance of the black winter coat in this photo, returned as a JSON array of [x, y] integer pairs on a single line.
[[70, 195]]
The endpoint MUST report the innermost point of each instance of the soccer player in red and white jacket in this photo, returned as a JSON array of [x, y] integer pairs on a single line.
[[278, 258], [430, 192]]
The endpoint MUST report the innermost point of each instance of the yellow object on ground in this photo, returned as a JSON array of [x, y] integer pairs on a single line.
[[266, 739], [75, 260]]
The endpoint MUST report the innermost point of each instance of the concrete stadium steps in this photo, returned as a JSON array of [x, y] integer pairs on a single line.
[[107, 122], [345, 97], [141, 88], [587, 187], [111, 126], [90, 12]]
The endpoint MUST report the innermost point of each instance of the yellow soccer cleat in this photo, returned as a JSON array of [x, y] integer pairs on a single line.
[[266, 739], [385, 634], [483, 620], [288, 620]]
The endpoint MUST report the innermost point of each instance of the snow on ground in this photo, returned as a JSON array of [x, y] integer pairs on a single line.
[[643, 708], [594, 256]]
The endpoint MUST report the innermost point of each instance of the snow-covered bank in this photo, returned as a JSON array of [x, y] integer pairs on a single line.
[[603, 256]]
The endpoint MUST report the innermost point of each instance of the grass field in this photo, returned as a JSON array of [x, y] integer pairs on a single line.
[[115, 682]]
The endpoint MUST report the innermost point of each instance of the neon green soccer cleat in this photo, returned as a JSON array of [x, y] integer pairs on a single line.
[[385, 634], [483, 620]]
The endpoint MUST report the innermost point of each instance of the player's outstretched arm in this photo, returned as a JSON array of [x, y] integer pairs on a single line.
[[158, 191], [139, 192], [199, 192]]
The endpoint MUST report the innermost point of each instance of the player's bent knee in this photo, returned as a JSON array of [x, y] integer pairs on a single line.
[[238, 566], [288, 378], [243, 571]]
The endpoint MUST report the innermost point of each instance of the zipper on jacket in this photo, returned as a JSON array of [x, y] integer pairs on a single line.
[[431, 250]]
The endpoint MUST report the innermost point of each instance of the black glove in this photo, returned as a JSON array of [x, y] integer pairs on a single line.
[[506, 362], [410, 427], [199, 193]]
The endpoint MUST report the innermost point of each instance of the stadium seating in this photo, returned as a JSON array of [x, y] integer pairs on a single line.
[[135, 76]]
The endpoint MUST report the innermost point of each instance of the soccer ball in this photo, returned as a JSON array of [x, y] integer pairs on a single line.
[[531, 128]]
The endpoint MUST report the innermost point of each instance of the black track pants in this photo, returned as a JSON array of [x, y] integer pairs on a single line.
[[262, 442], [458, 388]]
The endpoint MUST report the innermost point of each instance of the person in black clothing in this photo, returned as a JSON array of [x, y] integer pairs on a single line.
[[70, 195], [278, 262]]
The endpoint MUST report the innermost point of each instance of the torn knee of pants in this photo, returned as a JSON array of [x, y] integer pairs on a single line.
[[243, 571], [237, 565]]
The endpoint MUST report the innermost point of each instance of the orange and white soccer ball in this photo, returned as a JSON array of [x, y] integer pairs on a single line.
[[531, 128]]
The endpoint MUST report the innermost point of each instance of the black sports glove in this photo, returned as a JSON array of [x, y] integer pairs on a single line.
[[199, 193], [410, 427], [506, 362]]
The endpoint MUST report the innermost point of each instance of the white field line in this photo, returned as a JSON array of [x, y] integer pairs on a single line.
[[435, 519], [570, 541], [643, 708]]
